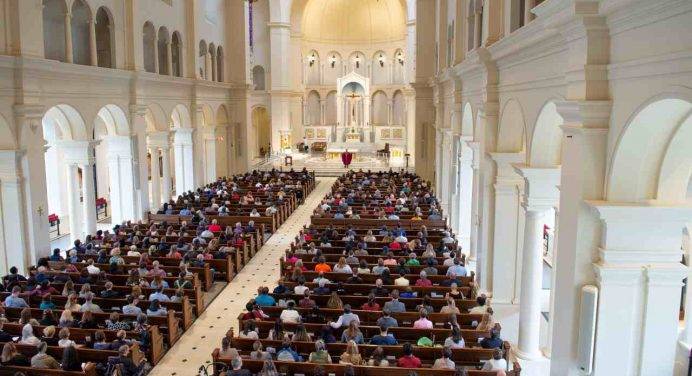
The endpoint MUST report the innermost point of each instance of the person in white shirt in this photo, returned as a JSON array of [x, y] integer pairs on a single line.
[[497, 363], [401, 281], [300, 288], [290, 315], [91, 268], [481, 308]]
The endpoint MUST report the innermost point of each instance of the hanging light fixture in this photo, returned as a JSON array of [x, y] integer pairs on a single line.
[[311, 59], [332, 60], [357, 60], [400, 58], [381, 60]]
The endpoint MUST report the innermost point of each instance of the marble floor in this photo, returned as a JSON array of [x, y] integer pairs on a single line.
[[194, 348]]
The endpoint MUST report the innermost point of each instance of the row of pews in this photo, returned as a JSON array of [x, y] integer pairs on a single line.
[[179, 256], [365, 241]]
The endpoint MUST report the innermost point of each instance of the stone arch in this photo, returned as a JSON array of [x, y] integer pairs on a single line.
[[180, 117], [54, 29], [81, 47], [380, 68], [202, 60], [333, 68], [156, 118], [398, 64], [67, 120], [258, 78], [114, 120], [162, 41], [262, 128], [149, 47], [652, 158], [467, 126], [314, 108], [105, 46], [330, 116], [511, 135], [546, 141], [398, 108], [177, 54], [379, 108], [312, 68], [219, 64], [207, 116]]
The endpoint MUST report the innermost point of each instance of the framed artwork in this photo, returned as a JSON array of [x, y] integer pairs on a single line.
[[385, 133], [309, 133], [321, 133], [397, 133]]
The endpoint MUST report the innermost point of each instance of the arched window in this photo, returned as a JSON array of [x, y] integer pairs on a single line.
[[357, 63], [202, 60], [333, 67], [330, 109], [81, 16], [219, 64], [313, 68], [104, 38], [176, 54], [54, 29], [380, 68], [471, 25], [211, 74], [398, 67], [149, 47], [162, 50], [258, 77]]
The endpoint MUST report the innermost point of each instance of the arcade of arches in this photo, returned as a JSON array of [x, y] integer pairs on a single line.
[[557, 135]]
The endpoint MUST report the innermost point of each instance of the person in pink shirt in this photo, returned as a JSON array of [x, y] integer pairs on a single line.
[[423, 322], [156, 270], [423, 280]]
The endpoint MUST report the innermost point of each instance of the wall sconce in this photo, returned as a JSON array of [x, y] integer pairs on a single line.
[[381, 60], [357, 60], [332, 61], [400, 58], [311, 59]]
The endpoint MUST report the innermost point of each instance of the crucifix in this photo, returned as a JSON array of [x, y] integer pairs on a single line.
[[353, 98]]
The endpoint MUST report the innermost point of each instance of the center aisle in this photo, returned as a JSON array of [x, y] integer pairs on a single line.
[[194, 348]]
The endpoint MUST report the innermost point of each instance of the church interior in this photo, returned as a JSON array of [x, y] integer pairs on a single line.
[[346, 187]]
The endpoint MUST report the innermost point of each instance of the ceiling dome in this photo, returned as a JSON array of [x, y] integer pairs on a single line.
[[354, 21]]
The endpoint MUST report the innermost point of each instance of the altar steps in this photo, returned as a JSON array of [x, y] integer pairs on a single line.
[[327, 168]]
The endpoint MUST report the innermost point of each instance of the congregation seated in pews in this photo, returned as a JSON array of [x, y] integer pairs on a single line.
[[121, 298], [376, 283]]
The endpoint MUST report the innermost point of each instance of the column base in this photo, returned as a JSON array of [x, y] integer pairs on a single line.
[[535, 355]]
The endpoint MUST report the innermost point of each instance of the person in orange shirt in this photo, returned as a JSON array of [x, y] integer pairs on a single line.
[[322, 266]]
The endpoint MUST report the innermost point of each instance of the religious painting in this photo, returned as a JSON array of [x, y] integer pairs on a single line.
[[321, 133], [309, 133], [397, 133], [385, 133]]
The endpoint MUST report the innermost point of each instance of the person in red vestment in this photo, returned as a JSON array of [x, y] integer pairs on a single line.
[[346, 158]]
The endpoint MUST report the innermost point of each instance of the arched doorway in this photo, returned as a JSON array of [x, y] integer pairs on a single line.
[[183, 149], [262, 128]]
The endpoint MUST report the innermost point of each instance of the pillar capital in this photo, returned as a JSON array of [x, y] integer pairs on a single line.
[[542, 193], [505, 172], [158, 139], [639, 233], [78, 152]]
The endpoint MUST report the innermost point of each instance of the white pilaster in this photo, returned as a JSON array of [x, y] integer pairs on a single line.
[[184, 178], [508, 228], [155, 179], [640, 277], [73, 201], [11, 212], [166, 184], [138, 146], [68, 37], [88, 198]]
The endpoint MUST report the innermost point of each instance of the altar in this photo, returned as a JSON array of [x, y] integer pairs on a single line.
[[335, 152]]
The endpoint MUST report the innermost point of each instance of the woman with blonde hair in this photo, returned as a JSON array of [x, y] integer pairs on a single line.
[[351, 355], [487, 322], [301, 334], [11, 357], [86, 289], [352, 333], [320, 355], [68, 288], [25, 318], [72, 303], [342, 266], [451, 307], [335, 302], [66, 319]]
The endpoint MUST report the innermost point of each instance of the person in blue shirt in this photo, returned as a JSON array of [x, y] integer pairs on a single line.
[[56, 255], [286, 353], [280, 289], [263, 298], [494, 342], [159, 295], [457, 269], [14, 301], [339, 215], [383, 338], [185, 211]]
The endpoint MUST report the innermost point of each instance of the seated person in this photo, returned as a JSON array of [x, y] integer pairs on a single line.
[[408, 360], [384, 338], [497, 363], [445, 362], [43, 360], [494, 342], [320, 355]]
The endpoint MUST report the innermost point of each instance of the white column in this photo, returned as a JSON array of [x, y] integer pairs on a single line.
[[73, 201], [541, 196], [166, 184], [184, 177], [68, 37], [122, 177], [155, 179], [89, 198], [138, 152], [465, 197], [92, 44], [531, 276]]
